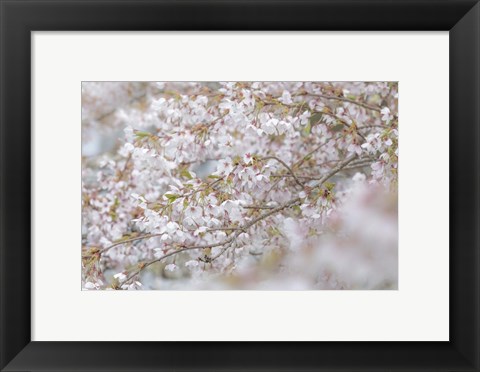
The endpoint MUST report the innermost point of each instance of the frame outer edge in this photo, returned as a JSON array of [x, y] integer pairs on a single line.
[[3, 338], [16, 326], [465, 186], [15, 182]]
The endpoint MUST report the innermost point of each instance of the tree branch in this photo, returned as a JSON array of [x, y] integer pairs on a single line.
[[213, 245], [287, 167], [140, 237], [227, 242], [301, 161], [335, 170], [343, 99]]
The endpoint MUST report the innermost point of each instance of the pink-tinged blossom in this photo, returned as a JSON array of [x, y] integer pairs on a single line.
[[270, 126], [305, 117], [171, 267], [224, 167], [191, 264], [386, 115], [247, 158], [354, 148], [193, 164], [286, 98], [378, 169], [120, 277]]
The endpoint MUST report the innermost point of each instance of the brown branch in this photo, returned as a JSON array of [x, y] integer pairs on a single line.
[[343, 99], [227, 242], [140, 237], [224, 229], [273, 210], [273, 186], [209, 185], [257, 206], [111, 112], [124, 169], [372, 126], [335, 170], [217, 119], [294, 105], [301, 161], [148, 236], [221, 252], [286, 166], [147, 264], [354, 167]]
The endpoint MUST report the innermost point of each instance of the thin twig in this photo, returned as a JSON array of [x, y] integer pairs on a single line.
[[286, 166], [344, 99], [257, 207], [372, 126], [301, 161], [217, 119], [124, 241], [272, 187], [224, 228], [147, 264], [335, 170]]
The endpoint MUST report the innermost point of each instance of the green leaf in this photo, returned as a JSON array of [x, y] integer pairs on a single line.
[[172, 197], [337, 128], [308, 128], [185, 173], [141, 134], [315, 118], [329, 186]]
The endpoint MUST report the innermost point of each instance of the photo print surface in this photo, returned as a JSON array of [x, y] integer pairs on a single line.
[[239, 186]]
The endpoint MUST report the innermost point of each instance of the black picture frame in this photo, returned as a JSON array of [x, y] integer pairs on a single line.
[[18, 18]]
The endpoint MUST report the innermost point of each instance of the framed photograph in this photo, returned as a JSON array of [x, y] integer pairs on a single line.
[[226, 185], [236, 185]]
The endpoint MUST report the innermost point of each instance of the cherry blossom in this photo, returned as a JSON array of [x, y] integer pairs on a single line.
[[220, 185]]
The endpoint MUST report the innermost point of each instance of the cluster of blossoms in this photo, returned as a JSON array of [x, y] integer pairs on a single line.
[[240, 185]]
